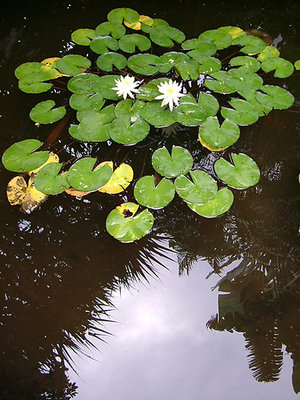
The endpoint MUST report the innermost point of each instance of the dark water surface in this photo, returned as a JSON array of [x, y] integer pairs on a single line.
[[62, 277]]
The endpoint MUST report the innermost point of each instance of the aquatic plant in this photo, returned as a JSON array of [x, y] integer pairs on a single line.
[[212, 82]]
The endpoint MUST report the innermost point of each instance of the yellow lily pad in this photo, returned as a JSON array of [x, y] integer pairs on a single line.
[[53, 158], [50, 63], [20, 193], [120, 179], [211, 148], [76, 193], [138, 25]]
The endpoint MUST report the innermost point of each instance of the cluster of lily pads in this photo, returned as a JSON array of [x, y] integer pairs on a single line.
[[104, 112]]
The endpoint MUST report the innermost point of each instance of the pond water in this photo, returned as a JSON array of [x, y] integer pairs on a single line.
[[141, 320]]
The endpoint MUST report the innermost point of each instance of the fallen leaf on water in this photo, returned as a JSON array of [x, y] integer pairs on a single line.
[[76, 193]]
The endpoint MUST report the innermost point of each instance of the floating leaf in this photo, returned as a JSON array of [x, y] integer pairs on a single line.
[[215, 207], [143, 20], [119, 14], [101, 44], [243, 79], [81, 175], [219, 83], [218, 137], [150, 91], [49, 181], [19, 193], [121, 178], [221, 39], [200, 191], [233, 31], [282, 67], [275, 97], [269, 51], [170, 60], [189, 112], [83, 36], [129, 43], [84, 102], [116, 30], [250, 96], [106, 61], [144, 64], [53, 158], [36, 72], [154, 196], [165, 35], [84, 84], [128, 108], [105, 87], [73, 64], [44, 113], [125, 225], [188, 69], [157, 115], [180, 162], [297, 64], [19, 157], [124, 131], [243, 114], [207, 65], [242, 174], [76, 193], [251, 44], [203, 47], [245, 61], [208, 103]]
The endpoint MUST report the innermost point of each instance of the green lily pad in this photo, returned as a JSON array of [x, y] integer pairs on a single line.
[[19, 157], [33, 76], [165, 35], [128, 108], [150, 91], [222, 40], [117, 15], [106, 61], [94, 125], [245, 61], [157, 115], [144, 64], [282, 67], [83, 37], [269, 51], [242, 174], [188, 69], [124, 131], [219, 83], [116, 30], [250, 96], [243, 79], [297, 65], [101, 44], [105, 87], [84, 84], [207, 65], [243, 114], [203, 47], [179, 162], [49, 181], [84, 102], [82, 177], [251, 44], [170, 60], [233, 31], [189, 112], [149, 195], [215, 207], [208, 103], [34, 87], [129, 43], [125, 225], [216, 136], [200, 191], [73, 64], [275, 97], [44, 113]]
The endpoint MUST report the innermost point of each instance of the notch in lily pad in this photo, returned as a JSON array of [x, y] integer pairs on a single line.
[[219, 205], [179, 162], [49, 181], [215, 137], [150, 195], [126, 225]]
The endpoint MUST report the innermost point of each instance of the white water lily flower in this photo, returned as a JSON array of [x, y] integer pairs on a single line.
[[170, 93], [126, 86]]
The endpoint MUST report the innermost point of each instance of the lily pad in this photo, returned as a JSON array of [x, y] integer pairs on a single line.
[[150, 91], [282, 67], [251, 44], [19, 157], [297, 65], [207, 65], [202, 46], [73, 64], [121, 178], [208, 103], [116, 30], [170, 60], [219, 83], [49, 181], [122, 130], [242, 174], [84, 102], [245, 61], [129, 43], [269, 51], [154, 196], [275, 97], [221, 39], [144, 64], [128, 108], [157, 115], [243, 113], [125, 225], [84, 84], [215, 207], [44, 113], [233, 31], [250, 96], [101, 44], [118, 15], [189, 112], [165, 35], [81, 175], [188, 69], [106, 61], [243, 79], [199, 191], [218, 137], [83, 36], [179, 162]]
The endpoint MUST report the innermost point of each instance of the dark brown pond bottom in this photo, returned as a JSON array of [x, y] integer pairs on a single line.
[[174, 338]]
